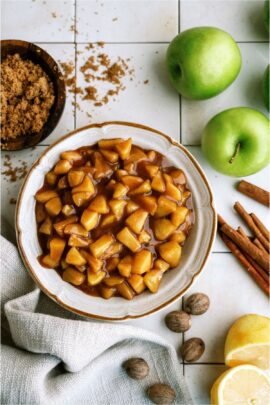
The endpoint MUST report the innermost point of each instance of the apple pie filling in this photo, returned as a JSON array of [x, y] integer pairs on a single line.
[[112, 218]]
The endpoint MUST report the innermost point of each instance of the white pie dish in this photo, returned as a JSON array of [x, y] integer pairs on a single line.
[[175, 282]]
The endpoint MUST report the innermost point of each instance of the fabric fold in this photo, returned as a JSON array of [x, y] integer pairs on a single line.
[[74, 361]]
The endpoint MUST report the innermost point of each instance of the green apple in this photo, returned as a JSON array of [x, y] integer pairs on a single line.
[[266, 87], [266, 14], [202, 62], [236, 142]]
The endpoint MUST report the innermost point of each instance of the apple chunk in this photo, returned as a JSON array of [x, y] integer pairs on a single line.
[[148, 203], [158, 183], [73, 276], [179, 216], [128, 239], [75, 177], [165, 207], [89, 219], [46, 227], [142, 262], [170, 252], [78, 241], [160, 264], [120, 190], [125, 291], [144, 188], [151, 170], [75, 229], [109, 143], [137, 220], [74, 257], [43, 196], [57, 247], [107, 292], [163, 228], [152, 279], [124, 266], [117, 207], [101, 245], [109, 155], [60, 226], [95, 278], [86, 186], [124, 148], [62, 167], [99, 204], [137, 283], [94, 263], [131, 182]]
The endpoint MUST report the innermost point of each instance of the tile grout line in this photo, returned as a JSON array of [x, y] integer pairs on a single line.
[[180, 138], [135, 42], [179, 97]]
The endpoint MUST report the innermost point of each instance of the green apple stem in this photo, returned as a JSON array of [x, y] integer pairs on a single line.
[[235, 153]]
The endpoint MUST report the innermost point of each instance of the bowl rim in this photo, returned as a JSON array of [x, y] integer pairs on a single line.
[[88, 314], [58, 83]]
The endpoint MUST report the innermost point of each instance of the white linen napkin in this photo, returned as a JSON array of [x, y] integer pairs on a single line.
[[50, 356]]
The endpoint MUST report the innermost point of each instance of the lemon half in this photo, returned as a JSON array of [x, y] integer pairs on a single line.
[[248, 342], [241, 385]]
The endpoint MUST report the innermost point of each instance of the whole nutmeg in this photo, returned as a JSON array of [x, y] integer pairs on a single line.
[[192, 349], [197, 304], [178, 321], [136, 368], [161, 394]]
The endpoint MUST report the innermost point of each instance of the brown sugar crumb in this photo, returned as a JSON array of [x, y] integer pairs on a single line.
[[73, 29], [89, 64], [99, 67], [69, 75], [146, 82], [89, 46], [91, 93], [54, 15], [12, 173], [27, 96], [101, 44], [13, 201]]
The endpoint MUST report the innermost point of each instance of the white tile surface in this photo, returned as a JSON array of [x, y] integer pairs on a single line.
[[62, 53], [230, 288], [225, 195], [200, 379], [232, 293], [10, 189], [154, 104], [38, 20], [243, 19], [127, 20], [245, 91]]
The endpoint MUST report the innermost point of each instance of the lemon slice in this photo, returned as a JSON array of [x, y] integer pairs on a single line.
[[241, 385], [248, 342]]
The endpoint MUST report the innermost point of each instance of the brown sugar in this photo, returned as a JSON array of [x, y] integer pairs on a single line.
[[97, 67], [27, 96], [14, 173]]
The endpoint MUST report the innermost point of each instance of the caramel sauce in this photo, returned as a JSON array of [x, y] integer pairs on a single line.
[[86, 164]]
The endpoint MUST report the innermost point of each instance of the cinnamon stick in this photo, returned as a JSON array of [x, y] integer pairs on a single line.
[[261, 226], [245, 263], [249, 221], [258, 243], [259, 269], [252, 250], [255, 192]]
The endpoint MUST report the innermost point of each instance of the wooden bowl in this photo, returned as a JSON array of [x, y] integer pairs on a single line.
[[38, 56]]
